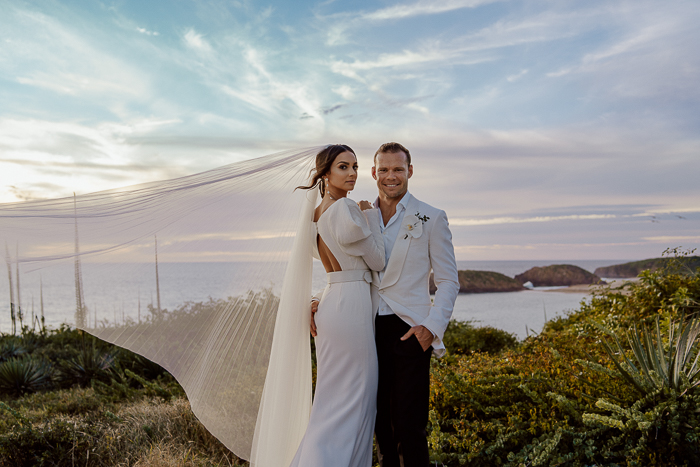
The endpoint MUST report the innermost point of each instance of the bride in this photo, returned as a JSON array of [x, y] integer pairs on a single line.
[[348, 242], [245, 361]]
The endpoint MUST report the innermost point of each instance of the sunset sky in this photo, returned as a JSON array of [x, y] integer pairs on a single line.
[[545, 129]]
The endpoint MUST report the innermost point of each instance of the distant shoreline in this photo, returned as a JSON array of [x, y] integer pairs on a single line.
[[589, 289]]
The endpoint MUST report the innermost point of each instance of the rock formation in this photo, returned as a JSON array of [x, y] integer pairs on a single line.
[[558, 275], [483, 282]]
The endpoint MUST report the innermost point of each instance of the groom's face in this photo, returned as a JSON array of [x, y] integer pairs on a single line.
[[391, 171]]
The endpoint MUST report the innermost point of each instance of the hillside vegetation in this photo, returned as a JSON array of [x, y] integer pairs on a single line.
[[634, 268], [581, 393], [614, 383]]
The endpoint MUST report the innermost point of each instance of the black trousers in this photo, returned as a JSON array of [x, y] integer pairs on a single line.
[[402, 397]]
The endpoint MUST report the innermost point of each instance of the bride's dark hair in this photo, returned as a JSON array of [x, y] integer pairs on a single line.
[[324, 161]]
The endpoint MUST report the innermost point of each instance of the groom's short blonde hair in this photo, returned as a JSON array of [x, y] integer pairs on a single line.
[[393, 148]]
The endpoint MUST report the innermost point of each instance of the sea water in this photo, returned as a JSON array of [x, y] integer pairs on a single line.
[[114, 293], [521, 313]]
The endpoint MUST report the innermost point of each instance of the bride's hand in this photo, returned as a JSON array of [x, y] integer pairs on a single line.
[[364, 205], [314, 309]]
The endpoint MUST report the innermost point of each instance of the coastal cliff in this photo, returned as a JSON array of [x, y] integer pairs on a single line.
[[483, 282], [558, 275], [632, 269]]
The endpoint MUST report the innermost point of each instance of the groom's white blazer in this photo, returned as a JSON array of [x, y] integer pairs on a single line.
[[424, 242]]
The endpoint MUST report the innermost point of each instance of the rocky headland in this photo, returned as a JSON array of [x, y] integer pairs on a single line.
[[558, 275], [633, 268], [483, 282]]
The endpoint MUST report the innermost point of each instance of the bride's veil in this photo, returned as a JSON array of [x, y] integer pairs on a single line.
[[194, 273]]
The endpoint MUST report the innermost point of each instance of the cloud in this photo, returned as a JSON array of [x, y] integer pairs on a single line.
[[22, 194], [227, 236], [670, 210], [196, 41], [543, 246], [650, 58], [344, 91], [45, 53], [522, 220], [635, 42], [476, 47], [341, 23], [498, 144], [672, 238], [44, 159], [405, 58], [74, 84], [516, 77], [147, 32], [421, 8]]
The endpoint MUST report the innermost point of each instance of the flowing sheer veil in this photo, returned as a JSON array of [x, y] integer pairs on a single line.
[[223, 257]]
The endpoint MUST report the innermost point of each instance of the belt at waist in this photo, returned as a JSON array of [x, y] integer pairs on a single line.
[[350, 276]]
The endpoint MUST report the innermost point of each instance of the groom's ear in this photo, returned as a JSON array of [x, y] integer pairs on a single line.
[[410, 171], [374, 172]]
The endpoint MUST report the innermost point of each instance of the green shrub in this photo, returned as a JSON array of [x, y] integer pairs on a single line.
[[462, 338], [22, 375], [559, 399], [90, 363], [492, 410], [664, 372], [655, 362], [556, 399], [10, 347]]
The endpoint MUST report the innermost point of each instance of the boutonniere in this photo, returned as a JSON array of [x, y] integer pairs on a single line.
[[413, 224]]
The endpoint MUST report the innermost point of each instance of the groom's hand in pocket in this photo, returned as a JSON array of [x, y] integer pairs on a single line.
[[314, 309], [424, 336]]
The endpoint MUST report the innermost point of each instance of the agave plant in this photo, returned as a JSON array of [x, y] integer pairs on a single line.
[[22, 375], [9, 349], [655, 364], [89, 364]]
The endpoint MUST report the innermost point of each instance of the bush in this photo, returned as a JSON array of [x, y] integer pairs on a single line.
[[559, 398], [556, 399], [90, 364], [22, 375], [664, 372], [462, 338], [10, 348]]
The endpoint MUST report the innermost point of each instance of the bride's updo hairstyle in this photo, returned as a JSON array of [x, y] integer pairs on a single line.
[[324, 161]]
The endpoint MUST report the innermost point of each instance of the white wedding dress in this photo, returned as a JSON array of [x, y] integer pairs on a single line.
[[341, 426]]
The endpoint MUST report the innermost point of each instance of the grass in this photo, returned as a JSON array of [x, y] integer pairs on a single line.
[[101, 406], [80, 426]]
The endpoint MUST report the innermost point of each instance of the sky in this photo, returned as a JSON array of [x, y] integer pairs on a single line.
[[547, 130]]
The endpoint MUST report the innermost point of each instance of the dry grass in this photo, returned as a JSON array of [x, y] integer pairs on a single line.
[[172, 434], [143, 432], [167, 455]]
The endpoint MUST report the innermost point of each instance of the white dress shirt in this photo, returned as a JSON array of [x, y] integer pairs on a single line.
[[389, 233]]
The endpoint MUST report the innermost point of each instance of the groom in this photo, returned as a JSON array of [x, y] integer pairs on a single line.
[[408, 326]]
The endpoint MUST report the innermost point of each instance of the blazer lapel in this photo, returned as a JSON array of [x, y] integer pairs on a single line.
[[400, 250]]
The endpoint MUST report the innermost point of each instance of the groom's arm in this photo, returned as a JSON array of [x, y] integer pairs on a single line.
[[444, 265]]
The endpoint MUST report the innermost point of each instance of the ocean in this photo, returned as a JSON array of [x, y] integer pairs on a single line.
[[113, 293]]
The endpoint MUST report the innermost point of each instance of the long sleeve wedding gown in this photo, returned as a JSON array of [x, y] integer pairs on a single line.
[[341, 427]]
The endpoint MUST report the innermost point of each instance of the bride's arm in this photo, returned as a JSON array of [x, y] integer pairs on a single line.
[[358, 234], [376, 257]]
